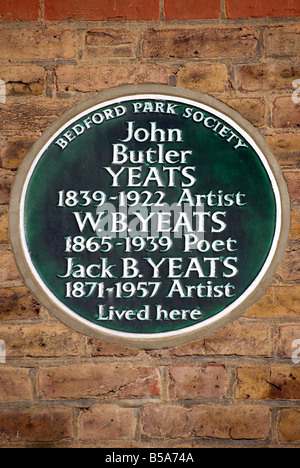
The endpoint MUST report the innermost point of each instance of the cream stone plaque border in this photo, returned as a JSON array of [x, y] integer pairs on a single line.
[[151, 340]]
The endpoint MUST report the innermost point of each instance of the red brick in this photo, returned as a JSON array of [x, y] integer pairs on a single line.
[[192, 9], [107, 422], [92, 10], [192, 382], [41, 340], [292, 177], [277, 382], [24, 10], [285, 341], [286, 113], [15, 384], [206, 421], [289, 425], [36, 45], [238, 339], [91, 380], [262, 9], [35, 425]]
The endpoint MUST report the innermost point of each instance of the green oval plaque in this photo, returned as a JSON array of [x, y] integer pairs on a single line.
[[149, 216]]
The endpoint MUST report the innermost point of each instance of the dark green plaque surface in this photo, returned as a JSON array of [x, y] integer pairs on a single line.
[[149, 216]]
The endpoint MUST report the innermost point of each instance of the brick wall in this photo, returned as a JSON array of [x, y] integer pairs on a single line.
[[237, 388]]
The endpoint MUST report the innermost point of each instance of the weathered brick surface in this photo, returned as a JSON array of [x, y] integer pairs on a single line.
[[289, 425], [15, 384], [116, 43], [192, 382], [295, 225], [23, 80], [35, 425], [94, 380], [238, 387], [285, 113], [90, 79], [215, 422], [35, 45], [6, 182], [36, 116], [13, 149], [287, 341], [289, 269], [268, 382], [17, 304], [253, 109], [204, 77], [277, 302], [192, 9], [101, 348], [108, 423], [4, 238], [285, 146], [200, 43], [8, 268], [282, 41], [267, 77], [292, 178], [40, 341], [253, 9], [235, 339]]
